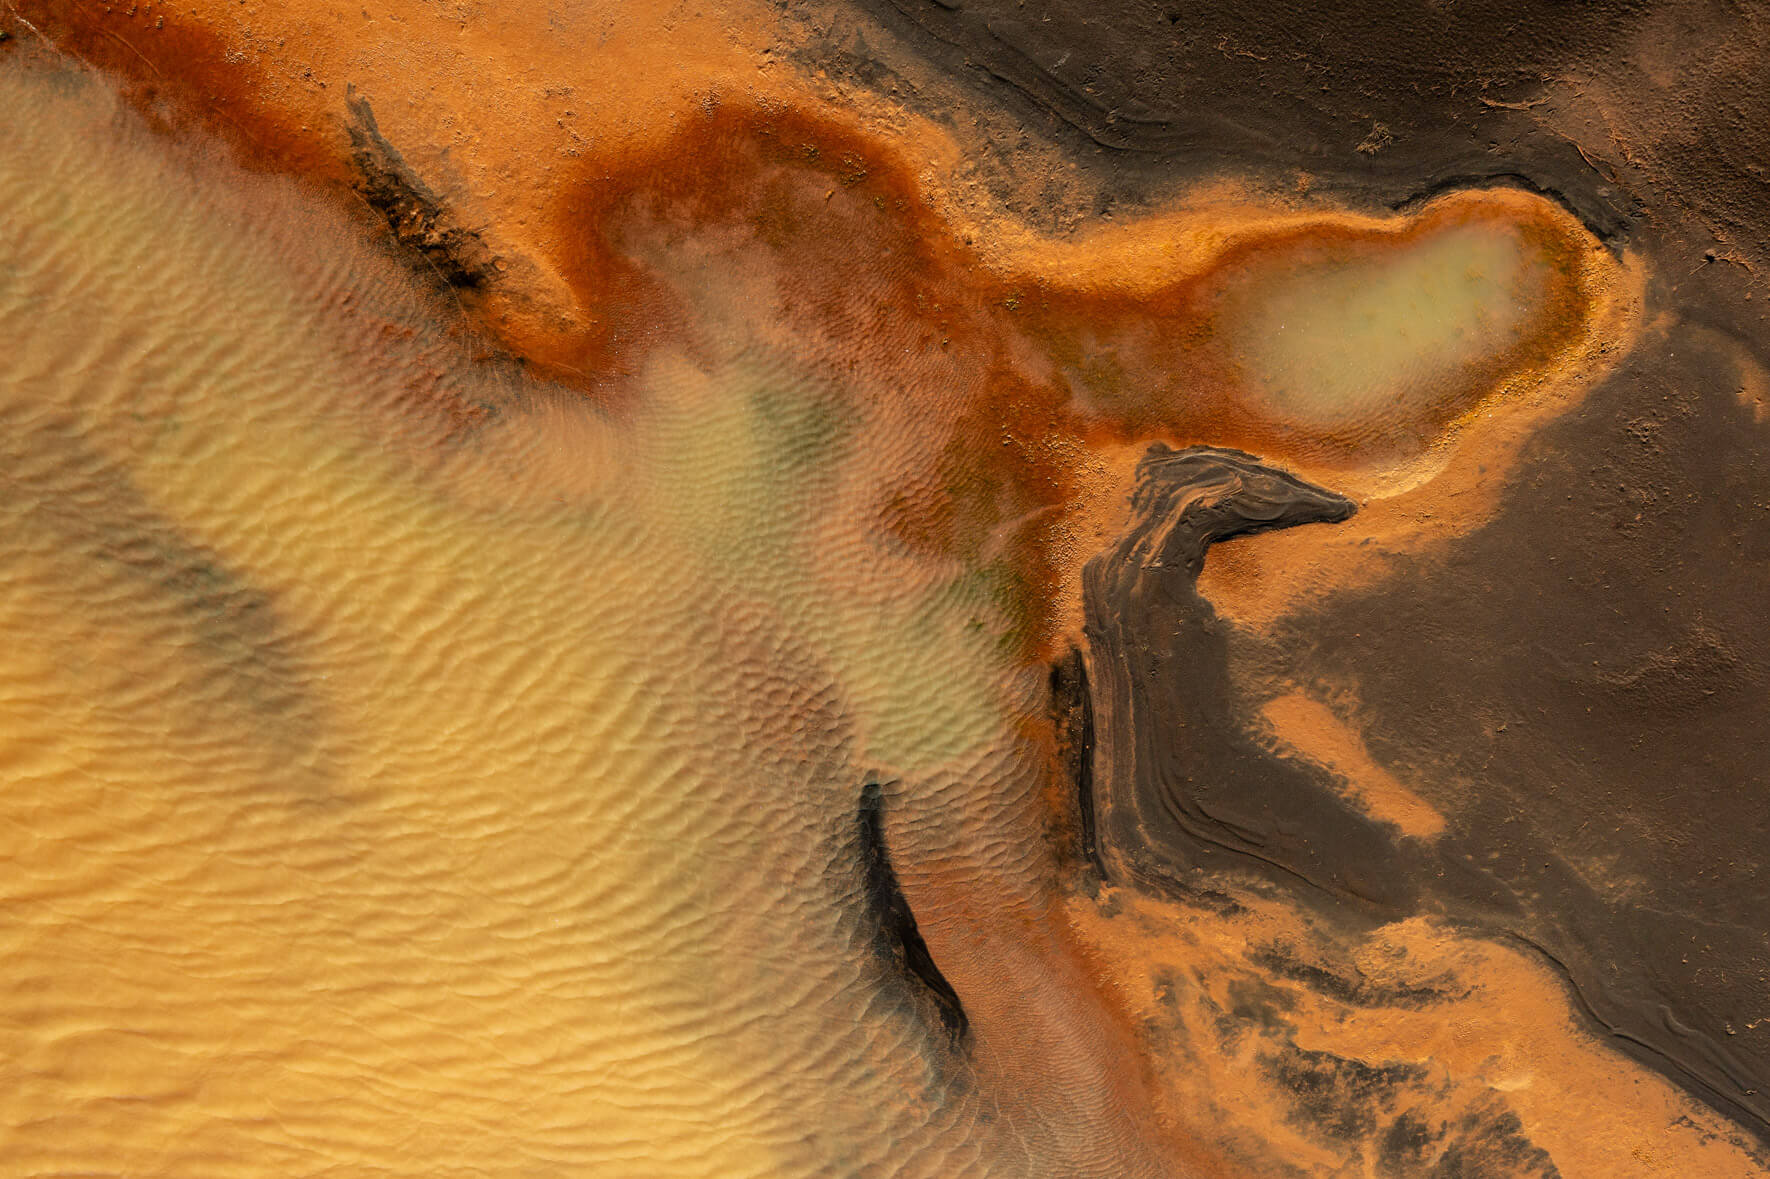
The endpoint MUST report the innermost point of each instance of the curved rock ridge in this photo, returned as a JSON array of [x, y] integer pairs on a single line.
[[1186, 794]]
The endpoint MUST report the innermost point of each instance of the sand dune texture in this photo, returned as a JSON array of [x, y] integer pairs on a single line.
[[649, 590]]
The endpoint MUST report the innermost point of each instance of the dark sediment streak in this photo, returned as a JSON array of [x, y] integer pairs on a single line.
[[240, 670], [1072, 708], [898, 940], [1182, 787], [1187, 800], [413, 211], [1578, 686]]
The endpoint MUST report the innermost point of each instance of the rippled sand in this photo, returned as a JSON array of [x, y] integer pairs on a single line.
[[417, 767], [412, 769]]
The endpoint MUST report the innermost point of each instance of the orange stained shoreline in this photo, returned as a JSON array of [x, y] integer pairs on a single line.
[[1055, 359], [1028, 374]]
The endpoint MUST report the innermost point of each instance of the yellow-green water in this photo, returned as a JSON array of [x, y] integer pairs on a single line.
[[1385, 335]]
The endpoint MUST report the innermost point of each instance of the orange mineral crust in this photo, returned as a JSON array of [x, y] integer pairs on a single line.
[[549, 527], [596, 212]]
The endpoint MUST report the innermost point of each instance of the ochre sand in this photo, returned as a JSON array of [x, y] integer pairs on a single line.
[[610, 181], [432, 764]]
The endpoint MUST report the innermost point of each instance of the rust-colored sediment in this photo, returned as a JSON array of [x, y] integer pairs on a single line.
[[712, 199], [1034, 369]]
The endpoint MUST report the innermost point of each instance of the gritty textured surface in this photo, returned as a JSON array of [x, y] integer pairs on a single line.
[[541, 559]]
